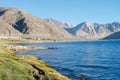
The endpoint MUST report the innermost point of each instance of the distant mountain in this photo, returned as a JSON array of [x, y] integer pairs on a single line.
[[115, 35], [58, 23], [88, 30], [18, 22]]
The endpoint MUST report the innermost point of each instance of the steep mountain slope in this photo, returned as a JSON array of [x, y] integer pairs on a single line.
[[88, 30], [7, 30], [30, 25], [115, 35]]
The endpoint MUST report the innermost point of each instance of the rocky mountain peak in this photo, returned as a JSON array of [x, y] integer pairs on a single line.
[[88, 24]]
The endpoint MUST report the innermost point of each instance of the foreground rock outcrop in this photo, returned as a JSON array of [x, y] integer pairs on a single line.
[[25, 67]]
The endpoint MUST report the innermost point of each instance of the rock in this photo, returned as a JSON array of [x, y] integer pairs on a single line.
[[24, 48]]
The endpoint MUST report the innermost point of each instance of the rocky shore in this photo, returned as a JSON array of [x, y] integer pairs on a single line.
[[24, 48], [18, 48], [25, 67]]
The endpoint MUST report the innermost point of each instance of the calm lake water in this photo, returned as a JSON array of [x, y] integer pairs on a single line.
[[94, 60]]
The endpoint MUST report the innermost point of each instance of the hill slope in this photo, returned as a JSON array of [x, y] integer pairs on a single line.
[[115, 35]]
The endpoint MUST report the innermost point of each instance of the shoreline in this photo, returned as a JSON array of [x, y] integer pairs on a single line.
[[20, 40], [19, 48]]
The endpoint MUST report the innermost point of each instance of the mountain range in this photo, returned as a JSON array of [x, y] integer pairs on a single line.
[[16, 23], [88, 30]]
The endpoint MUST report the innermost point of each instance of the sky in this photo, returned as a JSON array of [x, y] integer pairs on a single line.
[[70, 11]]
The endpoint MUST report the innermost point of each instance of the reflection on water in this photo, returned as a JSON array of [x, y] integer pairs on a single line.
[[95, 60]]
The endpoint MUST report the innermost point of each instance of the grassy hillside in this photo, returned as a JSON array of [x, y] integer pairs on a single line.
[[21, 67]]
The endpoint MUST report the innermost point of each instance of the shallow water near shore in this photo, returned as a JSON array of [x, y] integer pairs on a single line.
[[93, 60]]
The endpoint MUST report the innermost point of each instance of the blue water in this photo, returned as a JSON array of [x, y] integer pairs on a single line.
[[94, 60]]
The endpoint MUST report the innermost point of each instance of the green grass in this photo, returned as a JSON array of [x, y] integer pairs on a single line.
[[11, 68], [12, 40], [25, 67]]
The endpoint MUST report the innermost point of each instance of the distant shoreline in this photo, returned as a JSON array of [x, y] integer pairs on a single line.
[[19, 40]]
